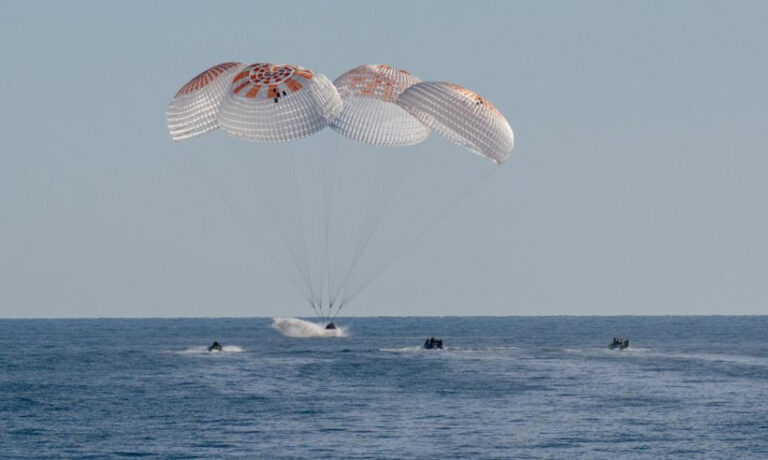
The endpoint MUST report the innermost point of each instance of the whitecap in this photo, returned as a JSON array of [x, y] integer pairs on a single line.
[[402, 350], [204, 350]]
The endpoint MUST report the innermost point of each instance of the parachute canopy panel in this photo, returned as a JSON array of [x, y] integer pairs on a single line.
[[278, 103], [461, 116], [195, 108], [370, 114]]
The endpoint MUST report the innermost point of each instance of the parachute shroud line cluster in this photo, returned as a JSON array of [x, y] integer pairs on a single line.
[[373, 104]]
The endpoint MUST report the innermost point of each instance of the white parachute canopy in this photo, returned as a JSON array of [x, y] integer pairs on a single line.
[[278, 103], [461, 116], [195, 108], [261, 102], [370, 114]]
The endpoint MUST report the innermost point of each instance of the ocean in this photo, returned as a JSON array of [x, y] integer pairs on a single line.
[[504, 387]]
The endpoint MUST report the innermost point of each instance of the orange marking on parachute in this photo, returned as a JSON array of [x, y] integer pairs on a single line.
[[378, 81], [473, 96], [228, 65], [388, 94], [304, 73], [240, 76], [253, 91], [205, 77], [242, 85], [184, 89], [293, 85], [273, 92], [370, 87], [356, 81]]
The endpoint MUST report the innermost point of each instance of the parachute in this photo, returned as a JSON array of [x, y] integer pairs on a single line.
[[370, 114], [461, 116], [195, 108], [269, 103], [344, 212]]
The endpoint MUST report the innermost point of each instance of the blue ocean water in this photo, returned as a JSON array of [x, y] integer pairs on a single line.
[[509, 387]]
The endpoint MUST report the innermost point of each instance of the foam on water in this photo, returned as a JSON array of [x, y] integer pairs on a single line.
[[473, 350], [745, 360], [294, 327], [231, 349], [204, 349], [484, 349], [403, 350], [605, 351]]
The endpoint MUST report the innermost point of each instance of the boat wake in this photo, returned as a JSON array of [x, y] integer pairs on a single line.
[[600, 351], [403, 350], [294, 327], [744, 360], [485, 349], [204, 350]]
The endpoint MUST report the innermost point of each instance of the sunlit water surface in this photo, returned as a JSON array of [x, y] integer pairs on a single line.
[[504, 387]]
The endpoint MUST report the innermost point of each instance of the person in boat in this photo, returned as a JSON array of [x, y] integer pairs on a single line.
[[431, 343], [330, 325], [215, 346], [620, 343]]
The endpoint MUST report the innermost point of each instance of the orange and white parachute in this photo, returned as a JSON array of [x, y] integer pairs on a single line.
[[261, 102], [370, 114], [195, 108], [461, 116], [277, 103]]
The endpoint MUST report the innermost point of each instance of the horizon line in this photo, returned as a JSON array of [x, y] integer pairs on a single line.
[[71, 318]]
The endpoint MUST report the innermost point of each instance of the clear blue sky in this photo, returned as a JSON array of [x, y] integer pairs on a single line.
[[637, 184]]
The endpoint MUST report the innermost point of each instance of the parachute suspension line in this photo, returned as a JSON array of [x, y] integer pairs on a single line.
[[223, 196], [361, 236], [348, 297], [302, 271], [328, 180], [373, 217], [317, 297]]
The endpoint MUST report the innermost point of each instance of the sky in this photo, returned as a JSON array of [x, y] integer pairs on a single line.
[[637, 185]]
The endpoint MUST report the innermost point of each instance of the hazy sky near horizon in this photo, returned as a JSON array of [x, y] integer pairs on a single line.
[[637, 184]]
